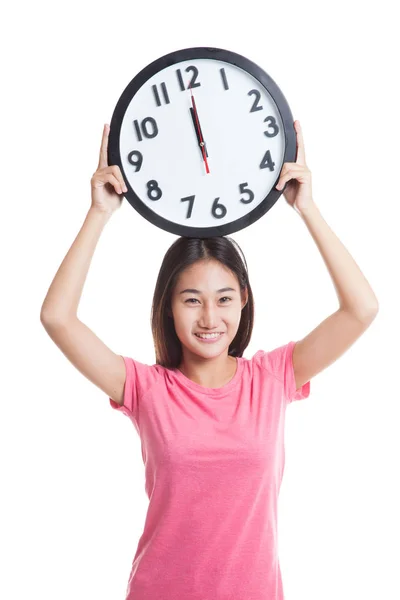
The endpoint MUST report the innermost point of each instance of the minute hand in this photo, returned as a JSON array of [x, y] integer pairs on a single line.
[[198, 131], [196, 120]]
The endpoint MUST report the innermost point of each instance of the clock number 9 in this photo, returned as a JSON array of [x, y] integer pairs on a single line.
[[136, 163]]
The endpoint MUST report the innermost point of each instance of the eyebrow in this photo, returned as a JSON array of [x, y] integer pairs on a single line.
[[194, 291]]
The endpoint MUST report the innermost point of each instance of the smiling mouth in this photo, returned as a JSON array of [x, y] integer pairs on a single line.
[[209, 336]]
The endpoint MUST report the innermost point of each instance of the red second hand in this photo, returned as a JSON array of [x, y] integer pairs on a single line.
[[199, 130]]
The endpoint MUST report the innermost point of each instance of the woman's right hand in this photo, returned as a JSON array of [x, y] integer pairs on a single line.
[[107, 183]]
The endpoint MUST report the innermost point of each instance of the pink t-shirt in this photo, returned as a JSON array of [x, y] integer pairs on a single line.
[[214, 460]]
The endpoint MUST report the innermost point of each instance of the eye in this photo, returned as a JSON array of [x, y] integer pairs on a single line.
[[223, 298]]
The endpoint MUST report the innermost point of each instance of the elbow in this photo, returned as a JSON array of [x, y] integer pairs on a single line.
[[363, 315], [44, 315], [368, 315], [46, 318]]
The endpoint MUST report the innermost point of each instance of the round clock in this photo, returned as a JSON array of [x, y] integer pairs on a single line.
[[200, 136]]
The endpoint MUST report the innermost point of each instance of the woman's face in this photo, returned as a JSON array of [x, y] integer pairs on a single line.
[[209, 309]]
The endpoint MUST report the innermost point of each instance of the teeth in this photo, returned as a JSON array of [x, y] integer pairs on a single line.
[[208, 335]]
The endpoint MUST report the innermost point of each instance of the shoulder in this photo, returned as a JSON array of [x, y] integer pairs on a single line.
[[142, 374], [139, 379], [276, 360]]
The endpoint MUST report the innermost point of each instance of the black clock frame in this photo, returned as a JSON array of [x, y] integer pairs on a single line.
[[114, 157]]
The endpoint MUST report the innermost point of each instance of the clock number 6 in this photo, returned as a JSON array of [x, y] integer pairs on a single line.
[[216, 207]]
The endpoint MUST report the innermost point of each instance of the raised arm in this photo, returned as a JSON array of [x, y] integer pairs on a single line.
[[59, 310]]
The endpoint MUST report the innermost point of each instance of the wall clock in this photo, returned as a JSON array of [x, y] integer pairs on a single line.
[[201, 135]]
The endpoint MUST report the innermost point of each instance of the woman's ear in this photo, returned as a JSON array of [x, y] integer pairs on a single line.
[[245, 297]]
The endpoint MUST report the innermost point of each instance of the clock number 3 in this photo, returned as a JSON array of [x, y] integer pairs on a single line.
[[273, 124]]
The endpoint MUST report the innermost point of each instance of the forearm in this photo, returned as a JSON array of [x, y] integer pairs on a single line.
[[64, 294], [353, 290]]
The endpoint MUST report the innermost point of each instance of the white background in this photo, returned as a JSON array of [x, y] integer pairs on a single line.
[[72, 478]]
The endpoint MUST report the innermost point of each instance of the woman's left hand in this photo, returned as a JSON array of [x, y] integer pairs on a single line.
[[298, 192]]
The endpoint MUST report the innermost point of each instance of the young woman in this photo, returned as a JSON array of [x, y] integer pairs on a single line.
[[211, 422]]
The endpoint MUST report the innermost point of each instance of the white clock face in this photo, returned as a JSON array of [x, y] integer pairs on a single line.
[[159, 144]]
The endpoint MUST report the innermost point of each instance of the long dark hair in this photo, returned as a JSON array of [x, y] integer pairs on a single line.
[[183, 253]]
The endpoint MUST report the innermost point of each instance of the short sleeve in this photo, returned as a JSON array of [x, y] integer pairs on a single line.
[[139, 378], [280, 363]]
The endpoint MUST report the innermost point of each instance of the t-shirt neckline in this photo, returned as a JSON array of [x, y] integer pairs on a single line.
[[210, 390]]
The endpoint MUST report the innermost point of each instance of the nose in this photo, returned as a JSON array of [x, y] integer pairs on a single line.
[[209, 318]]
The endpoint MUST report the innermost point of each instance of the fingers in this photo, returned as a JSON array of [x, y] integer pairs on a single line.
[[301, 154], [116, 171], [103, 170], [117, 185], [111, 175], [290, 171], [110, 178], [103, 162]]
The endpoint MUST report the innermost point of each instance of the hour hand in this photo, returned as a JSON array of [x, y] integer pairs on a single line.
[[198, 131]]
